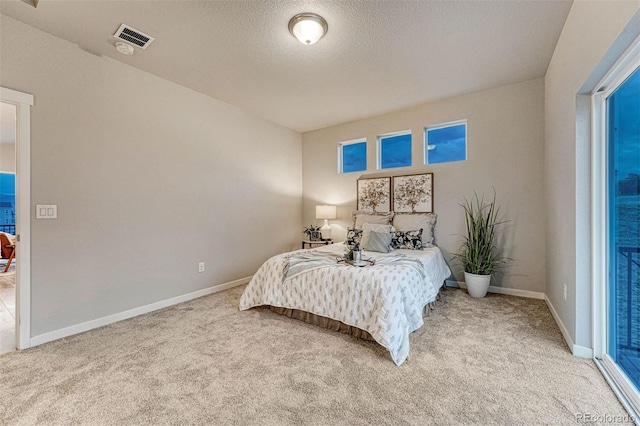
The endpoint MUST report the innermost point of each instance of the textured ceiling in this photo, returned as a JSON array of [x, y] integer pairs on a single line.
[[378, 56]]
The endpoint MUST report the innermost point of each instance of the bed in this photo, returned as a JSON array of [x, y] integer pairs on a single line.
[[383, 301]]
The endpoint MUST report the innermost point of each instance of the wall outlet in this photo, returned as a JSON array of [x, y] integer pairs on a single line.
[[565, 290], [201, 269]]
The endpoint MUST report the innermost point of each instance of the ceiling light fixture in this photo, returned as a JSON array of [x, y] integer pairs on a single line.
[[308, 28], [124, 48]]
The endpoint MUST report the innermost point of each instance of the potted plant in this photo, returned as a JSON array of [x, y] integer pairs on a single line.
[[312, 232], [478, 254]]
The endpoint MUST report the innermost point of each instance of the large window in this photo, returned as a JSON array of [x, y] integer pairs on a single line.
[[445, 142], [623, 143], [616, 210], [352, 156], [394, 150]]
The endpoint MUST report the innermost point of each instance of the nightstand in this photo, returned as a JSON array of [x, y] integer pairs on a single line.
[[316, 243]]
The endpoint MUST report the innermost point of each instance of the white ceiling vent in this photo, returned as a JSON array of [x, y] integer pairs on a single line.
[[133, 36]]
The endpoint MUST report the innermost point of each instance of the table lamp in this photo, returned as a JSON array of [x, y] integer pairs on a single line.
[[326, 213]]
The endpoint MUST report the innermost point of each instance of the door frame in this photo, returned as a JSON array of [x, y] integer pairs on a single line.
[[23, 103], [621, 385]]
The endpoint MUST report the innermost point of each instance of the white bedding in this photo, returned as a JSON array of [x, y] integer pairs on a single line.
[[386, 299]]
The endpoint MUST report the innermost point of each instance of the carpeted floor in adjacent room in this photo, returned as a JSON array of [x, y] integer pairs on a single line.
[[497, 360]]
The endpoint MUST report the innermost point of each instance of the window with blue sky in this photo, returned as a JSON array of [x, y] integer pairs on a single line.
[[394, 150], [445, 143], [353, 156], [623, 143], [7, 202]]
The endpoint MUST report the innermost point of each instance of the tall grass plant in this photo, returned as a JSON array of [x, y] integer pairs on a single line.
[[478, 253]]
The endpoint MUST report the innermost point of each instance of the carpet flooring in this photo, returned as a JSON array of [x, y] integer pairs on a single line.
[[497, 360]]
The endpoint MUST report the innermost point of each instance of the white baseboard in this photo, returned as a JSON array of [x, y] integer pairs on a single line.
[[576, 350], [501, 290], [100, 322], [582, 351]]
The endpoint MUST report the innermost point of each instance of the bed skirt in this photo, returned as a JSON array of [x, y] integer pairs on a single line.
[[335, 325], [324, 322]]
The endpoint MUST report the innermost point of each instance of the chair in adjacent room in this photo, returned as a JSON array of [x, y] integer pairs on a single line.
[[7, 248]]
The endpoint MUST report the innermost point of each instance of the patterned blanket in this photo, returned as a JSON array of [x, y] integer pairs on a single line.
[[386, 299]]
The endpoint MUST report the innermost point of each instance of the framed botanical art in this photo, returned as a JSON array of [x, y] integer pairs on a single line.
[[413, 193], [374, 194]]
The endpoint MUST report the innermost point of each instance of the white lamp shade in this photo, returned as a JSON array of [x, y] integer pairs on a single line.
[[326, 212], [308, 28]]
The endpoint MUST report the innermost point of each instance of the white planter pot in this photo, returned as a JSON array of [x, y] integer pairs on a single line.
[[477, 285]]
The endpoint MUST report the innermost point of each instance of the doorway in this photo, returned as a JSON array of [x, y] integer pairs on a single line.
[[22, 103], [7, 227]]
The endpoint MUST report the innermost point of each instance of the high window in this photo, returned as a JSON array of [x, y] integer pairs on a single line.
[[352, 156], [445, 142], [394, 150]]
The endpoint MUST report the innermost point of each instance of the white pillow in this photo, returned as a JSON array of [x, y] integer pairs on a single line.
[[414, 221], [366, 232], [360, 218]]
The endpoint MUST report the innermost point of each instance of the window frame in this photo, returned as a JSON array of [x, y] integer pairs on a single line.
[[444, 126], [379, 148], [627, 393], [341, 145]]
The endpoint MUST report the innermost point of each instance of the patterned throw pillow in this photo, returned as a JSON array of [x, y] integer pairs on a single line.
[[411, 240], [379, 241], [353, 236], [410, 221]]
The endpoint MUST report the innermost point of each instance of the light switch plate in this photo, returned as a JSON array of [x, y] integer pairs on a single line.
[[46, 211]]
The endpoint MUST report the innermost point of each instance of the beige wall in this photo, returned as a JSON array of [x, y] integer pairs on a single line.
[[505, 151], [7, 157], [7, 138], [590, 42], [150, 178]]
